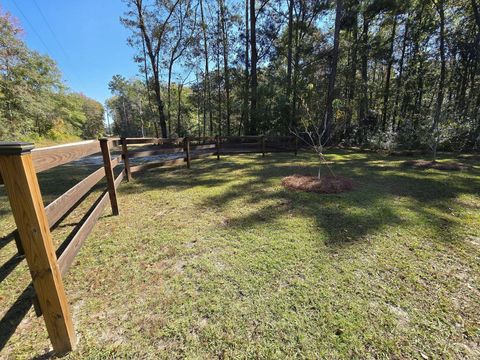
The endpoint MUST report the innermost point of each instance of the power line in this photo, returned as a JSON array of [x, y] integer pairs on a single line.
[[31, 26], [50, 29], [67, 58]]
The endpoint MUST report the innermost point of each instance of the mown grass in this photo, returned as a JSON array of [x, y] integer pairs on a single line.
[[220, 261]]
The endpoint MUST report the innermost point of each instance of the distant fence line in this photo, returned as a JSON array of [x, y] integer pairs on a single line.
[[19, 165]]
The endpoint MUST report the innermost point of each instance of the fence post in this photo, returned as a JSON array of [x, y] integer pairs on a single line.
[[217, 145], [296, 145], [263, 145], [23, 191], [186, 148], [107, 163], [126, 160], [18, 243]]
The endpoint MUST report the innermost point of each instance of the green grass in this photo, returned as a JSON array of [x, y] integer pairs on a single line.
[[221, 261]]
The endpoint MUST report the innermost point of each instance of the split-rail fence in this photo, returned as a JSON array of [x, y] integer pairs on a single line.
[[21, 162]]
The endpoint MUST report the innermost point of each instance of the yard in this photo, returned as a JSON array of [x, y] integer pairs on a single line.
[[220, 261]]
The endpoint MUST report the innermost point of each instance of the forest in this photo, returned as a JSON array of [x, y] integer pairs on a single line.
[[377, 73], [35, 104]]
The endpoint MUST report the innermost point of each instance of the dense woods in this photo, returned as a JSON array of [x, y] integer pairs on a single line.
[[378, 73], [34, 103]]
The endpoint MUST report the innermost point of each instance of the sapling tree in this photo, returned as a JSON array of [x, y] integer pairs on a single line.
[[312, 133]]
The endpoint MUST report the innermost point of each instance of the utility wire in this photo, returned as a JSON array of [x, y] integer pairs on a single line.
[[69, 65], [50, 29], [31, 26]]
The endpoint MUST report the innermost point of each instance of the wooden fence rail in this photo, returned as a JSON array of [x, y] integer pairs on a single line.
[[19, 165]]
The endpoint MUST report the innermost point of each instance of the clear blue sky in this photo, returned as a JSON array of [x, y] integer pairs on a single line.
[[88, 42]]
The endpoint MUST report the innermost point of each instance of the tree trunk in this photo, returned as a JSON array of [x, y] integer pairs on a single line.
[[363, 104], [400, 74], [219, 78], [328, 126], [207, 80], [254, 81], [169, 97], [179, 111], [386, 92], [352, 78], [440, 93], [288, 113], [153, 62], [245, 110], [226, 69], [155, 125]]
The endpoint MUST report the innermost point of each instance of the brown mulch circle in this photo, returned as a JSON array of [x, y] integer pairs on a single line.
[[424, 164], [326, 185]]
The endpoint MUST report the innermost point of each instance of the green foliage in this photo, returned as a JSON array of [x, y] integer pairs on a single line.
[[220, 261], [34, 103]]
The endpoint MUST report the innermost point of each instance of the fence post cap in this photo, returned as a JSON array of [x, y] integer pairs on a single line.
[[15, 148]]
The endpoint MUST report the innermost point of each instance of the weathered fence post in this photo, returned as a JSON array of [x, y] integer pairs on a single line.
[[263, 145], [296, 145], [126, 160], [107, 163], [186, 148], [23, 191], [217, 145]]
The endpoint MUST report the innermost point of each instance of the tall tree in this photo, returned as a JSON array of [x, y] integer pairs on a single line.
[[207, 90], [440, 7], [226, 69], [152, 30], [333, 72], [253, 70]]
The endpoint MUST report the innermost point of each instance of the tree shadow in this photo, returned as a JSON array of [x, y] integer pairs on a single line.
[[55, 183], [352, 216]]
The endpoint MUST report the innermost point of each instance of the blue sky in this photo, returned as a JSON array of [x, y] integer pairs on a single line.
[[88, 42]]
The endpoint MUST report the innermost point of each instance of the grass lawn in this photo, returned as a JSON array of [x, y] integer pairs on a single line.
[[221, 261]]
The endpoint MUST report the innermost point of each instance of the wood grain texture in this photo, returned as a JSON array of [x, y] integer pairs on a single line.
[[186, 148], [72, 249], [68, 255], [50, 157], [202, 147], [27, 207], [107, 163], [152, 165], [153, 152], [126, 160], [60, 206], [133, 141]]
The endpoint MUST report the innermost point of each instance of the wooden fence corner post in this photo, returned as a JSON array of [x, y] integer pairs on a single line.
[[186, 148], [107, 163], [217, 145], [263, 145], [25, 198], [126, 160]]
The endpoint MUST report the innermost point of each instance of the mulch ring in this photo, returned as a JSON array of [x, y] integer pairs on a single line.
[[424, 164], [326, 185]]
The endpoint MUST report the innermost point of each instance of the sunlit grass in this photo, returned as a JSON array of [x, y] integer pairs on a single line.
[[222, 261]]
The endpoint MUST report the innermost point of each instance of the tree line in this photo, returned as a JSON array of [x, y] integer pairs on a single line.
[[383, 73], [34, 103]]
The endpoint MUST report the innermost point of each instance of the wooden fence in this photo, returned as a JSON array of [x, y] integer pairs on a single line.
[[19, 165]]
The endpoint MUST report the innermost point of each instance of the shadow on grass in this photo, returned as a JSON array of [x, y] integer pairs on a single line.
[[352, 216], [344, 218], [53, 184]]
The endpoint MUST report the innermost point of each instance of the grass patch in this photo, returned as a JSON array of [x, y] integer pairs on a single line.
[[222, 261]]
